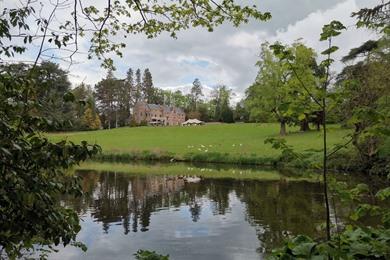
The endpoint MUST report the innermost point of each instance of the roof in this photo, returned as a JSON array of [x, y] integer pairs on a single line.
[[165, 108], [193, 121]]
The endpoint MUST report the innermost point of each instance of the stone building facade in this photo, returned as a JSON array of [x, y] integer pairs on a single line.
[[158, 114]]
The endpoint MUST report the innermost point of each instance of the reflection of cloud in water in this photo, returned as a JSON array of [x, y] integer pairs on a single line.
[[193, 232], [212, 219]]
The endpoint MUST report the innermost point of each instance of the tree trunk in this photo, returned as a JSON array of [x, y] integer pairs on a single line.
[[282, 128], [305, 125], [116, 119]]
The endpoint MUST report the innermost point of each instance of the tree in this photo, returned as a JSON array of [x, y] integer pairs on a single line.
[[241, 114], [270, 92], [194, 115], [127, 96], [303, 84], [180, 100], [227, 115], [168, 98], [196, 93], [221, 100], [106, 93], [148, 88], [363, 50], [91, 119], [158, 96], [50, 85], [138, 94], [84, 99], [205, 113], [33, 172], [363, 94], [329, 31], [285, 89]]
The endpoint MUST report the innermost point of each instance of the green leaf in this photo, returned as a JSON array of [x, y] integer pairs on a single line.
[[383, 194], [69, 97], [304, 249], [330, 50], [301, 117]]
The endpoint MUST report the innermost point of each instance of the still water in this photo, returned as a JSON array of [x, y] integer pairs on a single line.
[[191, 217]]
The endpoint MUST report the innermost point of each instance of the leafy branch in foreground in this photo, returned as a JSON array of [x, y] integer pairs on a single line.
[[105, 26], [355, 241], [33, 173], [288, 154]]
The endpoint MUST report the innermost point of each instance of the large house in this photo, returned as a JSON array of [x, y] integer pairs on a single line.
[[158, 114]]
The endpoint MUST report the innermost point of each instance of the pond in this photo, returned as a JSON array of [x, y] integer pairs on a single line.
[[192, 216]]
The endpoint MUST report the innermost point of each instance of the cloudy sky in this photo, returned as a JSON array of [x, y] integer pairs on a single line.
[[228, 55]]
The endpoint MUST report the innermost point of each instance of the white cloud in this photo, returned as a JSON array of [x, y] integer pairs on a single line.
[[309, 30], [247, 40], [228, 55]]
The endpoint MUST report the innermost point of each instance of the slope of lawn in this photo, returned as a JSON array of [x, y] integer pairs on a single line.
[[235, 139]]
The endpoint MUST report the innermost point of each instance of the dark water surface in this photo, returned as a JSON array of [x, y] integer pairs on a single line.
[[191, 218]]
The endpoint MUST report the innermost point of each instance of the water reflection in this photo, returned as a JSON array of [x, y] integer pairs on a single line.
[[201, 219]]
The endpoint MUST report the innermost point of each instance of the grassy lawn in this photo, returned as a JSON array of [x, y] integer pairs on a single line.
[[235, 139]]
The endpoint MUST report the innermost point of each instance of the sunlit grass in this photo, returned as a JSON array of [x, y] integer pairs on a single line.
[[234, 139]]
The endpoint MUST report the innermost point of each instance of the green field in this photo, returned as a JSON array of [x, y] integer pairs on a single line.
[[235, 139]]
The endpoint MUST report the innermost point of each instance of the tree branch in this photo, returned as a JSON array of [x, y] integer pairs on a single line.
[[76, 32], [45, 34], [221, 8], [104, 21], [139, 7], [339, 148]]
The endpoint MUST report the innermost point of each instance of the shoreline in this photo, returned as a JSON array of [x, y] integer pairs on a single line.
[[276, 162]]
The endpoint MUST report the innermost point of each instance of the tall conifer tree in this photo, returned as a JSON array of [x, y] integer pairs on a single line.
[[138, 87], [147, 87]]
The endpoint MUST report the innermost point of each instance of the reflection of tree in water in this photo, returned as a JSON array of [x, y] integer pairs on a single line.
[[279, 208], [195, 210], [219, 193], [115, 198], [273, 207]]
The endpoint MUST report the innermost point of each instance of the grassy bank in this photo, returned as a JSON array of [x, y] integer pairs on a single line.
[[205, 171], [221, 143]]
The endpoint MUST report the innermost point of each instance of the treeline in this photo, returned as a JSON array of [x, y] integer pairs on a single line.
[[116, 98], [213, 108], [287, 91], [109, 104], [106, 105]]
